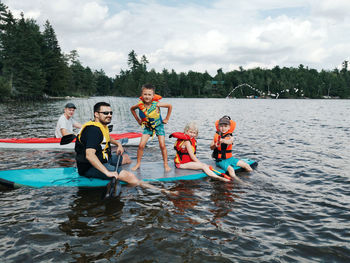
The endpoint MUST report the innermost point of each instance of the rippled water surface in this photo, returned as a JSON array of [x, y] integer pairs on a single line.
[[294, 208]]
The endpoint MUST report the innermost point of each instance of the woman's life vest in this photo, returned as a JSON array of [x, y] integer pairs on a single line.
[[102, 155], [223, 151], [182, 155], [150, 117]]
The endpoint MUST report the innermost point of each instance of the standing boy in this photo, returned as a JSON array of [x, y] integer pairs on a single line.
[[152, 122]]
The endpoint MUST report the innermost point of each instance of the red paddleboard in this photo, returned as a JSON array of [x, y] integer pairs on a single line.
[[54, 143]]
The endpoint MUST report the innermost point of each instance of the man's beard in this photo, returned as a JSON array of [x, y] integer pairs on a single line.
[[104, 122]]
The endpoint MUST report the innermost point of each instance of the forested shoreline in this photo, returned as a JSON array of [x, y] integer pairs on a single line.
[[32, 65]]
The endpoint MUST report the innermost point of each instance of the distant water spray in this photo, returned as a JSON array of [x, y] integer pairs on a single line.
[[247, 85], [295, 90], [120, 106]]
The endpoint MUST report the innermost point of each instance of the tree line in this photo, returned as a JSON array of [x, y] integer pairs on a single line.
[[32, 65]]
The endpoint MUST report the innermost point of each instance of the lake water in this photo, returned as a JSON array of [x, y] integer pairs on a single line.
[[295, 208]]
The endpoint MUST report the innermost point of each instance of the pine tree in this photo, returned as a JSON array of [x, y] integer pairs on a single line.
[[28, 74], [7, 44], [56, 69]]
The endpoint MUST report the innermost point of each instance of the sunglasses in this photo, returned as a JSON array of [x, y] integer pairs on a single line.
[[106, 112]]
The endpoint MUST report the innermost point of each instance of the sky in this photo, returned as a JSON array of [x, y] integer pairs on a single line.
[[197, 35]]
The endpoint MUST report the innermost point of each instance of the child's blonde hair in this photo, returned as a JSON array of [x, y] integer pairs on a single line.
[[191, 126]]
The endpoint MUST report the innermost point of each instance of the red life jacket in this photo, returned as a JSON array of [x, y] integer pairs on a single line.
[[223, 151], [182, 155]]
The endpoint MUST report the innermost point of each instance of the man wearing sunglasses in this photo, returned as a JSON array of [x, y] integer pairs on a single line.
[[93, 150]]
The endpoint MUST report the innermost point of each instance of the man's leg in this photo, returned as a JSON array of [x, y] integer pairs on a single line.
[[110, 165]]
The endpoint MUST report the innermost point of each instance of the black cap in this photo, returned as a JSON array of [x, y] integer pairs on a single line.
[[225, 120], [70, 105]]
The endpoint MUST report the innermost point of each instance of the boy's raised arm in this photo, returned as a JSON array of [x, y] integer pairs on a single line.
[[133, 111], [227, 141]]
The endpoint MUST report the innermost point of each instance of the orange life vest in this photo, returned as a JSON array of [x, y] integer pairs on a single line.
[[182, 155], [223, 151]]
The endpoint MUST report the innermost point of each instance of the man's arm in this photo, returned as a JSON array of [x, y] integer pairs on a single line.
[[120, 148], [65, 132], [77, 125], [95, 162]]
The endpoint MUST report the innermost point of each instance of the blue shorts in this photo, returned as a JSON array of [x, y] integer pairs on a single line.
[[111, 165], [159, 130], [224, 164]]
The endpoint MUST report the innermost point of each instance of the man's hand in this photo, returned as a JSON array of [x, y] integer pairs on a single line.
[[112, 174], [120, 149]]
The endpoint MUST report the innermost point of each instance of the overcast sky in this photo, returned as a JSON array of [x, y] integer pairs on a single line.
[[198, 35]]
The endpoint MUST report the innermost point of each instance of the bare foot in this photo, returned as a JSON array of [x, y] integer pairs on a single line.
[[249, 169], [137, 166], [221, 178], [168, 192], [237, 180], [126, 159], [167, 168]]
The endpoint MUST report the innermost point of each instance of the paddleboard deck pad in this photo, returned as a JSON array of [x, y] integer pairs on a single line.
[[69, 177], [54, 143]]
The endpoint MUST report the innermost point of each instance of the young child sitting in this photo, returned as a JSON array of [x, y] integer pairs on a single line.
[[222, 146], [185, 147], [152, 122]]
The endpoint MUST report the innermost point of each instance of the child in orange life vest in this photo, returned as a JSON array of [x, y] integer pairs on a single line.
[[150, 118], [185, 147], [222, 146]]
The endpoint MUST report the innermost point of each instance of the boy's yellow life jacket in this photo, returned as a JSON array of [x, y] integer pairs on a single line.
[[150, 117]]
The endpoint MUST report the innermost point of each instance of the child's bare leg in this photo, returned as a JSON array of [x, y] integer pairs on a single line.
[[131, 179], [232, 173], [244, 165], [210, 173], [142, 145], [162, 147], [149, 186], [204, 167]]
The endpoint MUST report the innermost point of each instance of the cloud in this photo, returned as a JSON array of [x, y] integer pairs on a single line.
[[198, 35], [337, 10]]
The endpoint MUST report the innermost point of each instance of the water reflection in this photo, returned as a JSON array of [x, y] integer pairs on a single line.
[[89, 211]]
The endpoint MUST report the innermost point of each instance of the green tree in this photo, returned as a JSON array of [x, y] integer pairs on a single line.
[[28, 74], [56, 69], [174, 84], [5, 89], [104, 84], [7, 44]]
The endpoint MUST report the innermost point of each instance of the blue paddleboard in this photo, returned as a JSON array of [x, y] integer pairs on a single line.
[[69, 177]]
